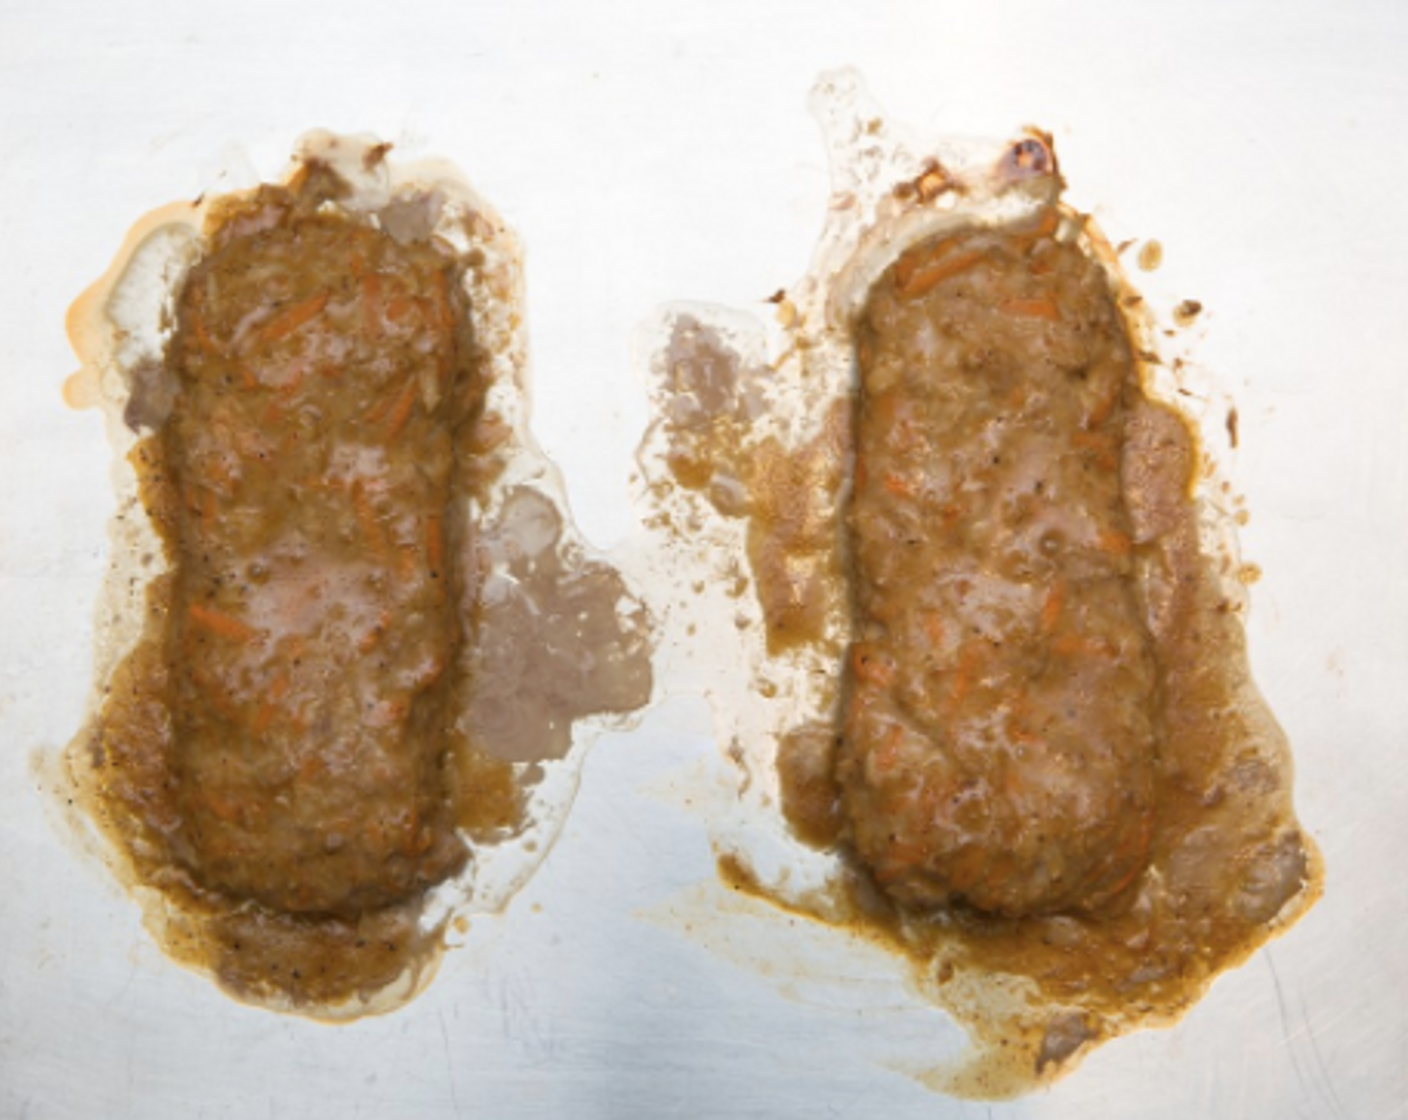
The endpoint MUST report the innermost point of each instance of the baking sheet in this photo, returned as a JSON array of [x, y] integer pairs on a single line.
[[649, 152]]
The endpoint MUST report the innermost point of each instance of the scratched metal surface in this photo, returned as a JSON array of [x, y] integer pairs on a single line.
[[649, 151]]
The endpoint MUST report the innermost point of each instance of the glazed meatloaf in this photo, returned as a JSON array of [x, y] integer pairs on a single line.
[[320, 385], [1001, 725]]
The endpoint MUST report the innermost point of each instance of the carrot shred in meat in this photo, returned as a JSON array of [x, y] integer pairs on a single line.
[[228, 809], [870, 668], [1112, 540], [887, 754], [1052, 608], [401, 410], [203, 338], [1038, 308], [1018, 732], [374, 635], [1103, 407], [967, 868], [934, 627], [399, 307], [247, 376], [1080, 645], [898, 485], [1128, 847], [925, 279], [285, 323], [1046, 225], [217, 622], [963, 675], [899, 857], [441, 292], [378, 410], [1102, 444]]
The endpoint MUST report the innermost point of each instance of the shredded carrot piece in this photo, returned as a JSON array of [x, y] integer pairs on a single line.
[[934, 627], [1102, 444], [247, 376], [378, 410], [1112, 540], [202, 336], [441, 292], [373, 636], [1080, 645], [1046, 226], [284, 324], [899, 856], [401, 411], [968, 868], [887, 754], [963, 675], [217, 622], [898, 485], [399, 306], [1051, 609], [1101, 412], [921, 256], [1019, 733], [926, 279], [1039, 308], [226, 808], [869, 668]]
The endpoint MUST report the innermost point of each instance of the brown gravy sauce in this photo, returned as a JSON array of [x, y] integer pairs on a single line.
[[349, 628], [757, 443]]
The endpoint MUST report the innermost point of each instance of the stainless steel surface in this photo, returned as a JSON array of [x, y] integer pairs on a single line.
[[655, 151]]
